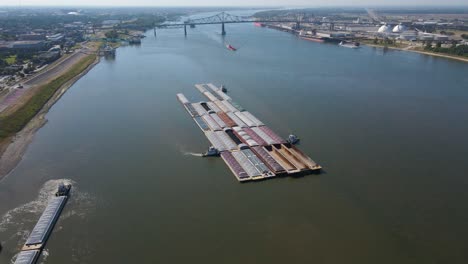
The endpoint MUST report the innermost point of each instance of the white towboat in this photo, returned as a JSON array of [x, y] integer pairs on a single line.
[[353, 45]]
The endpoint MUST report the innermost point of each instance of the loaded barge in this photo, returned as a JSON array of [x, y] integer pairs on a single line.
[[37, 239], [250, 149]]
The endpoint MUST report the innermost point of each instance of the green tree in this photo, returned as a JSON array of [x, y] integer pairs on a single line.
[[428, 45], [112, 34]]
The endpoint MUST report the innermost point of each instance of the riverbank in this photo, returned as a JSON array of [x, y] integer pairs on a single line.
[[408, 48], [441, 55], [19, 127]]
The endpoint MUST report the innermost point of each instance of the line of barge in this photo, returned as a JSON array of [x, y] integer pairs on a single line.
[[38, 237], [250, 149]]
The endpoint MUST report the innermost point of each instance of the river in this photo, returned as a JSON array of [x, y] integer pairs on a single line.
[[389, 128]]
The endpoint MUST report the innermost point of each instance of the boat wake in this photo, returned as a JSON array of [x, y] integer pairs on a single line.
[[29, 210], [194, 154], [45, 255], [183, 151], [17, 223]]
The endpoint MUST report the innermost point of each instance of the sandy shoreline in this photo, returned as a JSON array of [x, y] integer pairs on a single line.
[[13, 148]]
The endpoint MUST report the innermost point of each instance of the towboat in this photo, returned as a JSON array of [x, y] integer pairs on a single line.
[[63, 189], [292, 139], [229, 47], [353, 45], [212, 151]]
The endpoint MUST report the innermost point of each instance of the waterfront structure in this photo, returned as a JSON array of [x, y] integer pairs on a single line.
[[399, 29], [56, 37], [24, 44], [32, 37], [431, 36], [250, 149], [384, 29]]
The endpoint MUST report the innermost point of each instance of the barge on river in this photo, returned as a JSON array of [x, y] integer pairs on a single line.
[[251, 150], [37, 239]]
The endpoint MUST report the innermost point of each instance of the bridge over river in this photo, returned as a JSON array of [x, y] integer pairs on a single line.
[[226, 18]]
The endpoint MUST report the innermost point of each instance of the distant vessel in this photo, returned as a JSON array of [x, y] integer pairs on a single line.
[[258, 24], [293, 139], [230, 47], [212, 151], [223, 89], [353, 45]]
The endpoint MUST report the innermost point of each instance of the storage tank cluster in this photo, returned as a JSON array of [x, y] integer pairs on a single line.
[[402, 32], [387, 29]]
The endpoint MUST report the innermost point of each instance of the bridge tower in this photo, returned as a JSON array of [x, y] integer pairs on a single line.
[[223, 32]]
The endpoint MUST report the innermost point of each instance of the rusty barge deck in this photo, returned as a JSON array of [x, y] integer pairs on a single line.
[[250, 149]]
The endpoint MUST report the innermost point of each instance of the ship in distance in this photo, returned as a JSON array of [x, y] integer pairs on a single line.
[[352, 45], [230, 47]]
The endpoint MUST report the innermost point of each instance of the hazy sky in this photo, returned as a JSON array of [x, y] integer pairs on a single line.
[[229, 2]]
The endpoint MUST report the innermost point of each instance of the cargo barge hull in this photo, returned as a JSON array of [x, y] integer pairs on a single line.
[[250, 149]]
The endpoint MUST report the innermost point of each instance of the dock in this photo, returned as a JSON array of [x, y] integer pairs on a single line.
[[38, 237], [250, 149]]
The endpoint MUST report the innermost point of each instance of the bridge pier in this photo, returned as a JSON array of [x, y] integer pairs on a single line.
[[154, 31], [223, 32], [185, 30]]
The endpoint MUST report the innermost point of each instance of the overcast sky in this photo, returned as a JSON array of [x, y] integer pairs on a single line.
[[228, 2]]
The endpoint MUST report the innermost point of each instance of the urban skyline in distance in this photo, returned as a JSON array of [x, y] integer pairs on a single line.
[[231, 3]]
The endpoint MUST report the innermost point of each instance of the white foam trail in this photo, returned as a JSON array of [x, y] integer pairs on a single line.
[[193, 154], [34, 207], [189, 152], [17, 223]]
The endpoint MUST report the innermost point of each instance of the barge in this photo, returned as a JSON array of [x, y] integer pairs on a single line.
[[250, 149], [38, 237], [28, 257]]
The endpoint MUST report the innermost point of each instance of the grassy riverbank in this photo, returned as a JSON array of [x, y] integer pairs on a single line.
[[14, 122], [420, 50]]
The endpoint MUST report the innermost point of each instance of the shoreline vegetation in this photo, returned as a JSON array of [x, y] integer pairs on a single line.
[[17, 128], [417, 50], [14, 122], [19, 123]]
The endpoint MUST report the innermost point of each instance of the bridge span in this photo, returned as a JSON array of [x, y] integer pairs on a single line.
[[226, 18]]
